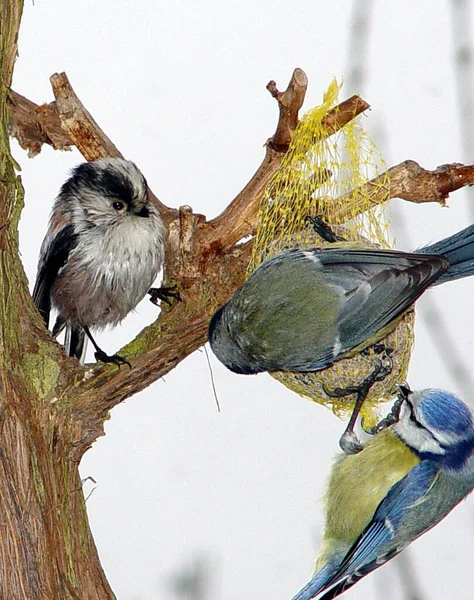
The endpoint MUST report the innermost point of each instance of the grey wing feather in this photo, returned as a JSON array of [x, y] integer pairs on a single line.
[[378, 285], [383, 298]]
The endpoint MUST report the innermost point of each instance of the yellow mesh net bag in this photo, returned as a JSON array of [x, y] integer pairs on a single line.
[[327, 176]]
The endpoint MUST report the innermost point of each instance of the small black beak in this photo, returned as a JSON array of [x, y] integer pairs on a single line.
[[405, 390], [143, 212]]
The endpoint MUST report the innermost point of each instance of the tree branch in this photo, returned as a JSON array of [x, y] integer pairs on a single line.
[[408, 181], [239, 218], [78, 123], [67, 121], [34, 125], [411, 182], [289, 102], [202, 256]]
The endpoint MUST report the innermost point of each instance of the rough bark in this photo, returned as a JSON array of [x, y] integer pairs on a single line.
[[52, 409], [46, 547]]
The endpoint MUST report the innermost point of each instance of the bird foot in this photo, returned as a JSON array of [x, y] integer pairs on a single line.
[[349, 442], [116, 359], [164, 294], [323, 229], [392, 417], [377, 349]]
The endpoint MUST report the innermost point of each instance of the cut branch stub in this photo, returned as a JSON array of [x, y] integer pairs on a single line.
[[289, 102], [343, 113]]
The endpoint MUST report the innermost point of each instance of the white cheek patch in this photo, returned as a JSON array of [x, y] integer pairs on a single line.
[[415, 436], [426, 443]]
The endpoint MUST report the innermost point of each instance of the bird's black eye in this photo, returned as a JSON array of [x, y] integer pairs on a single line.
[[118, 205]]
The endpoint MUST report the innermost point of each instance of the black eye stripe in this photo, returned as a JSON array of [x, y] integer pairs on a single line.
[[417, 424], [412, 415], [116, 185]]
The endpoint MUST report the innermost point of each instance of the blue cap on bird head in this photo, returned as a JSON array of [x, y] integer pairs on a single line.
[[444, 412]]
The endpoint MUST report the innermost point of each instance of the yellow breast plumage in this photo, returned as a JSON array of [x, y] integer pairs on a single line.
[[357, 485]]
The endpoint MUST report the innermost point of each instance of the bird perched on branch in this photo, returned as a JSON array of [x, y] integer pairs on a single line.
[[305, 309], [103, 249], [404, 481]]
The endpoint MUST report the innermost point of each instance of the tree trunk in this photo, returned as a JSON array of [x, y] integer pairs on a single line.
[[45, 542]]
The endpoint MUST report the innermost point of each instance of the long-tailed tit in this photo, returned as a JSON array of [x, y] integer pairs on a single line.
[[103, 249]]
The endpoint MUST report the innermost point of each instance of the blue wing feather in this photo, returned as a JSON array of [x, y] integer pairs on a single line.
[[366, 553], [317, 583], [372, 548]]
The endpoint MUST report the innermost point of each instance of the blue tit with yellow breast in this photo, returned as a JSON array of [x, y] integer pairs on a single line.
[[403, 482]]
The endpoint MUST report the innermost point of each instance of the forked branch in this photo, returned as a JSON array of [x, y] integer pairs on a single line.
[[203, 257]]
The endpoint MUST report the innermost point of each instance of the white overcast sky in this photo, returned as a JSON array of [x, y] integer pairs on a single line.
[[180, 89]]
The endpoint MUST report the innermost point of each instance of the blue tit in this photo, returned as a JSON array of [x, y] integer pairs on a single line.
[[305, 309], [405, 480]]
